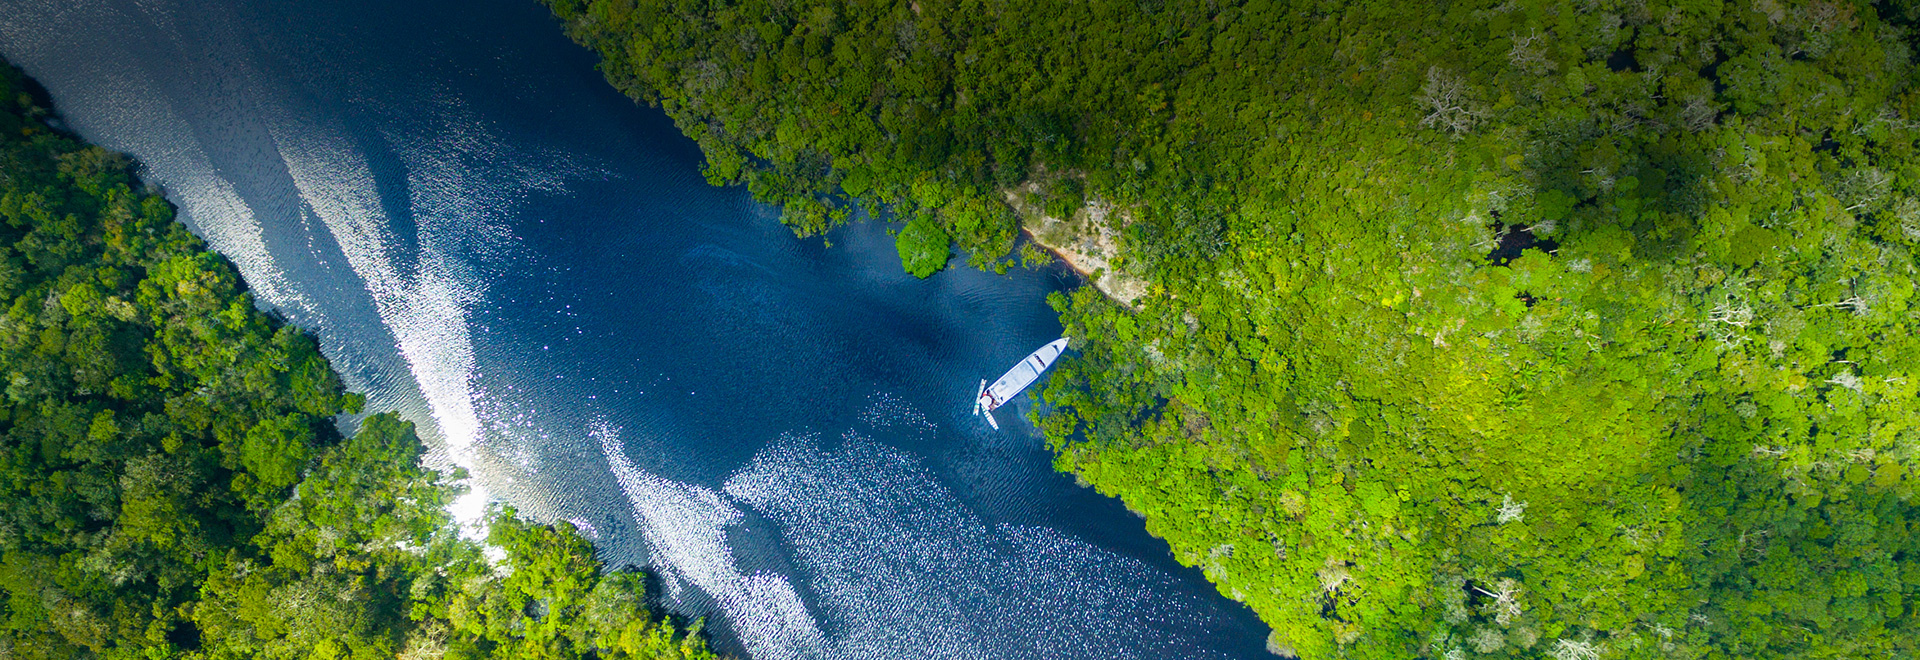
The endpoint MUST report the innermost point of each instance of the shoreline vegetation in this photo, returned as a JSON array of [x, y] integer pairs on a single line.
[[1086, 238], [172, 483], [1508, 328]]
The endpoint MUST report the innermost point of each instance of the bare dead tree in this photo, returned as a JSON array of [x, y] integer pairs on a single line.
[[1333, 576], [1449, 102], [1567, 649], [1529, 55], [1732, 311], [1487, 640], [1864, 188], [1699, 114], [1510, 511], [1854, 304], [1847, 379], [1506, 600]]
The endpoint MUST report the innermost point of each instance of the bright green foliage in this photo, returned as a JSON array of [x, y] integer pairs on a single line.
[[140, 386], [923, 247], [1531, 328], [170, 481], [554, 603], [365, 563]]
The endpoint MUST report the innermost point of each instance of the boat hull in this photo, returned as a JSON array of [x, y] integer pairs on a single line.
[[1017, 379]]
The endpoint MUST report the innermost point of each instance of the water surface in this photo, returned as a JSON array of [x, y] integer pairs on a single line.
[[490, 240]]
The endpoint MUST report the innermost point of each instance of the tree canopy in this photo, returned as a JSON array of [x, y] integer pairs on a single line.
[[172, 483], [1566, 328]]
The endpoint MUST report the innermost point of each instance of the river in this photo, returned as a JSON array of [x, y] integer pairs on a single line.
[[489, 239]]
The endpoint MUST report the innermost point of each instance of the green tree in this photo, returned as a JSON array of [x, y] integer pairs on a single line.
[[1499, 328], [923, 247], [171, 484]]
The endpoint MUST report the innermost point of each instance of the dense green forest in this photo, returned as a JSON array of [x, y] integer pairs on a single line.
[[1534, 328], [172, 483]]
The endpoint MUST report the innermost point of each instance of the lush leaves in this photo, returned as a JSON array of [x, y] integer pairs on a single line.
[[171, 485], [923, 247], [1490, 328]]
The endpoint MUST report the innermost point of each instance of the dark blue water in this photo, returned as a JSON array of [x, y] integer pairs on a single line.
[[489, 239]]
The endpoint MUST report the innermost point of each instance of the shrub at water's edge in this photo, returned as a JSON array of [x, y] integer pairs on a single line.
[[1528, 328], [923, 247], [171, 484]]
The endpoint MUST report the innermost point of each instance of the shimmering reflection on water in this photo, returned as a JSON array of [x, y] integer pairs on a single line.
[[491, 241]]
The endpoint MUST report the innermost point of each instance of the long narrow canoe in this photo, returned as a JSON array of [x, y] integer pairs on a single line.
[[1016, 379]]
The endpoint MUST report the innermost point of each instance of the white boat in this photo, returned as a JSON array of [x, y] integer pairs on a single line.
[[1016, 379]]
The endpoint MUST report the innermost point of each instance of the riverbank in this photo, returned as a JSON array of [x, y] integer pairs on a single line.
[[1088, 241], [1583, 466], [174, 484]]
